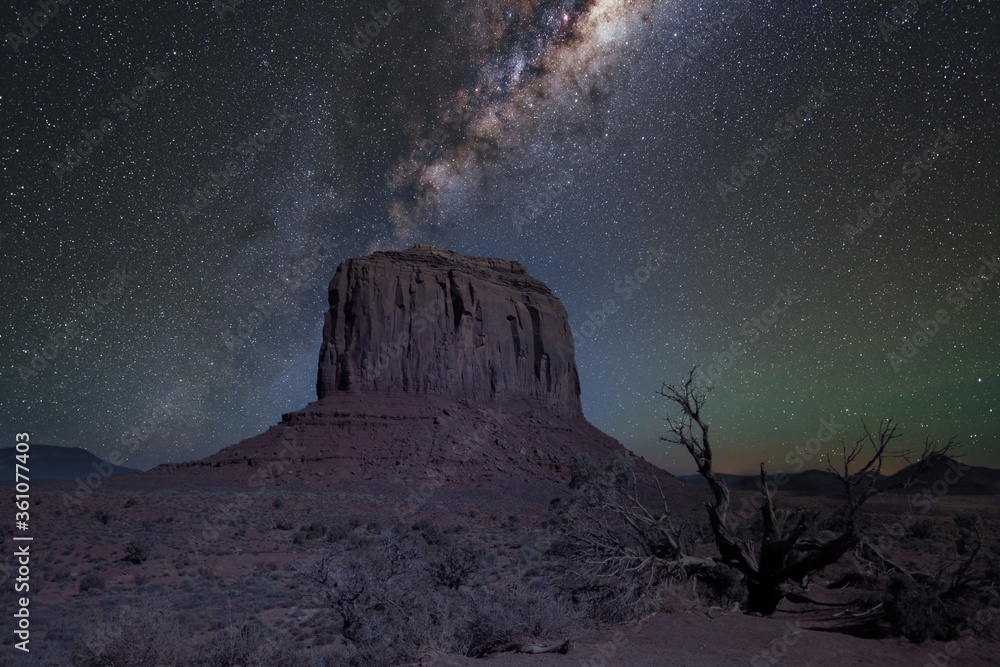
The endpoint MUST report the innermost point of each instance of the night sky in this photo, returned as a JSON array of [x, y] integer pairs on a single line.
[[689, 178]]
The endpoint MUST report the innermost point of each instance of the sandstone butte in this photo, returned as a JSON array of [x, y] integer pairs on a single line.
[[433, 366]]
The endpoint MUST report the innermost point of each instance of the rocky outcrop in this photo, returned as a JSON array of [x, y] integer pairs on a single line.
[[431, 321], [434, 366]]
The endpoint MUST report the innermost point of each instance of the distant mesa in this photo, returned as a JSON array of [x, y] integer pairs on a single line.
[[951, 476], [433, 365], [50, 462]]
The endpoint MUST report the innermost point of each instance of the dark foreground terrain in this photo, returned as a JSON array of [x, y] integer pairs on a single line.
[[153, 570]]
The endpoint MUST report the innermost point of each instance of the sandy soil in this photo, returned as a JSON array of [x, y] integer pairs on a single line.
[[224, 547]]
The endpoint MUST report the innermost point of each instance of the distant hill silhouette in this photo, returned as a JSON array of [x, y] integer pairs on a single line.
[[805, 483], [959, 480], [971, 480], [51, 462]]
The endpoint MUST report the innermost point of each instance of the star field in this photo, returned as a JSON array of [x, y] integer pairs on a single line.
[[669, 169]]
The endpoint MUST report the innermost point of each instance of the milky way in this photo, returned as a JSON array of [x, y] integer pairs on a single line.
[[529, 57]]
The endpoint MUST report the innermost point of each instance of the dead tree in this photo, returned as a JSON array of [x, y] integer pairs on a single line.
[[859, 471], [784, 552], [622, 545]]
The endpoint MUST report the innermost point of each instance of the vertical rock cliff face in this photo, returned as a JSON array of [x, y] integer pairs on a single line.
[[431, 321]]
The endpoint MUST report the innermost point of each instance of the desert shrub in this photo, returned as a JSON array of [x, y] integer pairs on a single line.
[[138, 549], [336, 533], [677, 596], [921, 609], [183, 560], [103, 516], [923, 529], [400, 597], [911, 609], [617, 600], [489, 617], [697, 533], [131, 502], [456, 563], [380, 593], [136, 635], [723, 586], [970, 528], [315, 531], [283, 525], [584, 470], [617, 550], [91, 581], [250, 644], [429, 532]]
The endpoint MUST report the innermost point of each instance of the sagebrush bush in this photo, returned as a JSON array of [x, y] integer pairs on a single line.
[[923, 529], [913, 610], [401, 596], [457, 562], [137, 635], [138, 549], [337, 533], [490, 617], [92, 580], [250, 644], [724, 586]]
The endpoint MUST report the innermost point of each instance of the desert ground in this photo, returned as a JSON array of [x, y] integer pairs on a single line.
[[206, 565]]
